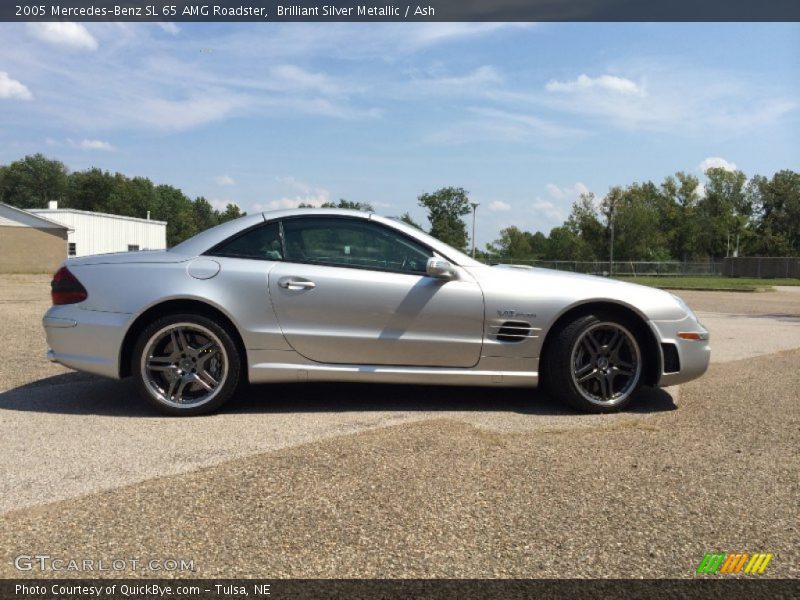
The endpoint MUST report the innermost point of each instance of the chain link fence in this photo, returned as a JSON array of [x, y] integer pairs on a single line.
[[622, 268]]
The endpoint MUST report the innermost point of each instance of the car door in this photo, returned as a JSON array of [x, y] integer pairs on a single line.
[[352, 291]]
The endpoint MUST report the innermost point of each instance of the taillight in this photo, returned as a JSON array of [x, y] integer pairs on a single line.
[[66, 289]]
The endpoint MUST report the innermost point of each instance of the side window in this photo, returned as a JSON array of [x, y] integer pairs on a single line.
[[345, 242], [262, 243]]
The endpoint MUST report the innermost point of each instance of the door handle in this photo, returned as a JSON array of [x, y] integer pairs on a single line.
[[292, 283]]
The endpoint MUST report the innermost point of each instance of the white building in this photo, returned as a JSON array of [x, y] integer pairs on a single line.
[[100, 233]]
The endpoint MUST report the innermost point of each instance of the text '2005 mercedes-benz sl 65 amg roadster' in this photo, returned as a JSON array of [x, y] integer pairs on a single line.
[[337, 295]]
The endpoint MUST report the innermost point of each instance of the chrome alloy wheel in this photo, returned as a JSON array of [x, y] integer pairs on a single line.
[[606, 364], [184, 365]]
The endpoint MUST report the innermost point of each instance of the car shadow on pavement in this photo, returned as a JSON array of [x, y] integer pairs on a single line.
[[82, 394]]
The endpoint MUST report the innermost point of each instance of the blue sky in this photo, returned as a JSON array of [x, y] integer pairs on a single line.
[[524, 116]]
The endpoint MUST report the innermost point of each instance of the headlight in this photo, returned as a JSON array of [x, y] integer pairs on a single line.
[[684, 306]]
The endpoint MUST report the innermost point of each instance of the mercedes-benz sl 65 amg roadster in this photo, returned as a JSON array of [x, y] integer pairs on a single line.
[[336, 295]]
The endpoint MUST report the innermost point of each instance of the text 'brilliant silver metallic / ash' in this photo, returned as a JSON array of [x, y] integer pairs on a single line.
[[337, 295]]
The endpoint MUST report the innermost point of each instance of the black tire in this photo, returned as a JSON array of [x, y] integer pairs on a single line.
[[207, 355], [568, 360]]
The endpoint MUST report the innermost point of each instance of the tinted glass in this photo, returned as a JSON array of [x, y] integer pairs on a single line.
[[352, 243], [262, 242]]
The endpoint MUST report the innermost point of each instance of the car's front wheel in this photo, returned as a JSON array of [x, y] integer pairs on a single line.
[[186, 364], [595, 363]]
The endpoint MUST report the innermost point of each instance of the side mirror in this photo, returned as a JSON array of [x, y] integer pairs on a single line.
[[440, 268]]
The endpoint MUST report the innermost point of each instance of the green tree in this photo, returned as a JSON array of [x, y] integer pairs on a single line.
[[363, 206], [584, 221], [775, 225], [93, 190], [678, 216], [565, 244], [175, 208], [446, 207], [230, 213], [409, 220], [205, 217], [513, 243], [635, 214], [539, 244], [723, 211], [133, 197], [33, 181]]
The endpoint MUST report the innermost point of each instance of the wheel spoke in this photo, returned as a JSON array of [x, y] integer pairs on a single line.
[[604, 388], [178, 397], [615, 342], [160, 363], [591, 344], [206, 381], [172, 386], [184, 343], [208, 378], [176, 343], [623, 368], [585, 373]]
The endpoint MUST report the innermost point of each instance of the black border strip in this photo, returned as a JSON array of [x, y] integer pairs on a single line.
[[400, 10], [727, 588]]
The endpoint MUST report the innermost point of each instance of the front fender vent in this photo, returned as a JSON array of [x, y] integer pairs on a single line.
[[672, 360], [513, 331]]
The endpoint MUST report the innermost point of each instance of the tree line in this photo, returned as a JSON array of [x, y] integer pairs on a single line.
[[35, 180], [677, 219]]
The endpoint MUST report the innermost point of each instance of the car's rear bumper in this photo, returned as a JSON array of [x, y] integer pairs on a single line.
[[693, 355], [85, 340]]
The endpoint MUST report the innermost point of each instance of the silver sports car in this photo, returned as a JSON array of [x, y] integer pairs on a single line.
[[337, 295]]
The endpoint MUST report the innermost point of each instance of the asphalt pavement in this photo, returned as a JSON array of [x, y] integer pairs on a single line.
[[399, 481]]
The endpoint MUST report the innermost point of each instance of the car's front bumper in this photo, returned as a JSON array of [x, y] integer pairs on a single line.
[[85, 340], [693, 354]]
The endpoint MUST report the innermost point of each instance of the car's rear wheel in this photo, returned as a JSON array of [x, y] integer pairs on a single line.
[[595, 363], [186, 364]]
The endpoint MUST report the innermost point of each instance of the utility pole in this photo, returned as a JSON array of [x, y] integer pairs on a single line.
[[474, 210], [611, 246]]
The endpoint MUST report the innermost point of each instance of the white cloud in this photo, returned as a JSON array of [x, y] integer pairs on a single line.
[[316, 200], [224, 180], [499, 206], [13, 89], [549, 209], [198, 109], [552, 210], [490, 124], [67, 34], [91, 145], [477, 81], [221, 204], [570, 193], [422, 35], [292, 77], [608, 83], [700, 190], [663, 97], [554, 190], [716, 162], [308, 195], [170, 28]]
